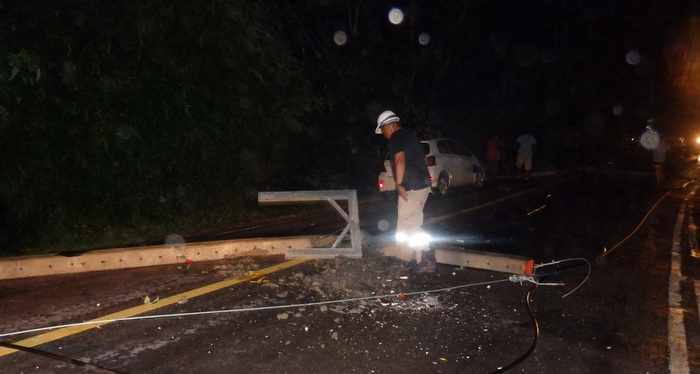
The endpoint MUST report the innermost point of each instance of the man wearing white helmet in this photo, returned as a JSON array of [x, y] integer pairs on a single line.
[[412, 185]]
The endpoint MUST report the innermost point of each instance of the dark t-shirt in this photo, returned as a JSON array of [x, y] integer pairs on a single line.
[[416, 175]]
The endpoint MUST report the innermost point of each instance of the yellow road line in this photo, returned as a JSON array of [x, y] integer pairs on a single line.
[[445, 217], [145, 308]]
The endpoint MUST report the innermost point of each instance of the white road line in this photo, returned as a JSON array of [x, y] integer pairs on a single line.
[[445, 217], [677, 346], [694, 252], [697, 296]]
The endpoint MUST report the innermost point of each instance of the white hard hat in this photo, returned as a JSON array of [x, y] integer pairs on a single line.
[[385, 118]]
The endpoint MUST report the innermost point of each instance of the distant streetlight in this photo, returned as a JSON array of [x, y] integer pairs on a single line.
[[396, 16]]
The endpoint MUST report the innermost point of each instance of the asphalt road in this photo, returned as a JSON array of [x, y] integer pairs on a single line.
[[618, 322]]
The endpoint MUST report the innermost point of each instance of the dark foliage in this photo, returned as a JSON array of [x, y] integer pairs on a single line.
[[169, 114]]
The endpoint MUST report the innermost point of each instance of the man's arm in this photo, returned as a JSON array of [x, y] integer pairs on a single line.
[[400, 168]]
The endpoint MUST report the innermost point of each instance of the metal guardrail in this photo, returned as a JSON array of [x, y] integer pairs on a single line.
[[351, 217]]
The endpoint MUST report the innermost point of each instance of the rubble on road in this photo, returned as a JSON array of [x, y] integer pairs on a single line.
[[238, 267], [342, 278]]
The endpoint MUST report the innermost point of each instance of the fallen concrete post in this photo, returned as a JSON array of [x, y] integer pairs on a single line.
[[485, 260], [134, 257]]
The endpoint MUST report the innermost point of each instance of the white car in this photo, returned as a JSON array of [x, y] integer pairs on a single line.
[[450, 164]]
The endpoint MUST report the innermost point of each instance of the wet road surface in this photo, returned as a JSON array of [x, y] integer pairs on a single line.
[[618, 322]]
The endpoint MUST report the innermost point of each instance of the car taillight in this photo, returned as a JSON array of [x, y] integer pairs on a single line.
[[381, 184], [430, 161]]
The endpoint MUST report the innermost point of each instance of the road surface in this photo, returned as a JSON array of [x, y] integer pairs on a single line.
[[637, 313]]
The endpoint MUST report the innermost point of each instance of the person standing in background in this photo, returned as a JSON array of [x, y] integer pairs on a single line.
[[659, 159], [493, 155], [526, 148]]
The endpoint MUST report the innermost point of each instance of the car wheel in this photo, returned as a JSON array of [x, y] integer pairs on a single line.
[[443, 185]]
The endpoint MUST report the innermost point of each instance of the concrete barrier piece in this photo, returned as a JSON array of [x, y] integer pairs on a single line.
[[134, 257]]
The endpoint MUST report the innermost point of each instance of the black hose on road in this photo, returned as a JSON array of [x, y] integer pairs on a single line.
[[535, 330]]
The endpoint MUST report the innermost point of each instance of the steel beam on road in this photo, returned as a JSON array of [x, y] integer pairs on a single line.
[[351, 217], [500, 262]]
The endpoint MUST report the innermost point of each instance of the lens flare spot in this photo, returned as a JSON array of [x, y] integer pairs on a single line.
[[396, 16], [175, 240], [633, 57], [424, 39], [340, 38], [618, 110]]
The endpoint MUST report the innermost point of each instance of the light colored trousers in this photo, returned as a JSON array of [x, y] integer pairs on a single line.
[[524, 160], [409, 220]]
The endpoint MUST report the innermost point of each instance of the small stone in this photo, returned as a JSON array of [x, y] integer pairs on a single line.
[[334, 335], [282, 316], [282, 294], [297, 315], [324, 308]]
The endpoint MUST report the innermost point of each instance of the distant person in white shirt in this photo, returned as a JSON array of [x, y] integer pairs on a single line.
[[659, 158], [525, 151]]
